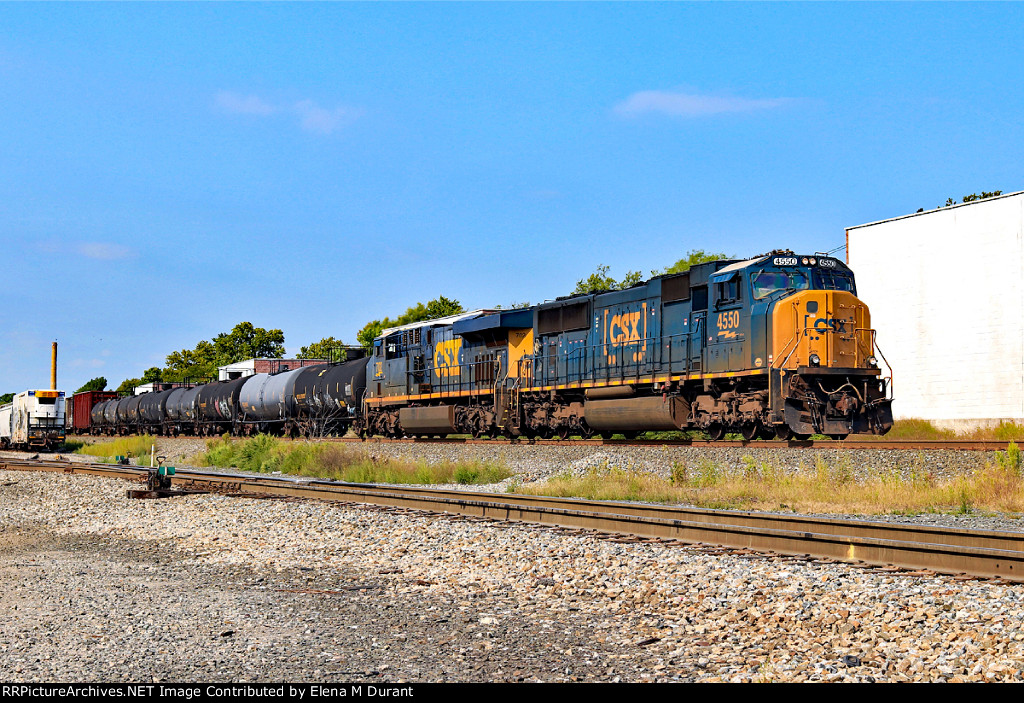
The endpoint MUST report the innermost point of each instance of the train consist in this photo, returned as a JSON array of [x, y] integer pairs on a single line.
[[774, 346]]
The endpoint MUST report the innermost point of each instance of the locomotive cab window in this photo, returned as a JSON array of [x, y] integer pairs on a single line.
[[834, 280], [727, 292], [764, 283]]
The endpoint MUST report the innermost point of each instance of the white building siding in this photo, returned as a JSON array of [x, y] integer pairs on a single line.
[[947, 299]]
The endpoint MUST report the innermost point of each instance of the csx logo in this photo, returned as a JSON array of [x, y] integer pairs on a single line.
[[827, 324], [624, 327], [446, 357]]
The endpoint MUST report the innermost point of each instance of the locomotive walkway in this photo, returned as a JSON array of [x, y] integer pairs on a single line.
[[944, 550]]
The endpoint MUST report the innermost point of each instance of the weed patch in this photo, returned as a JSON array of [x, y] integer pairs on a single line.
[[825, 487], [266, 454], [136, 447]]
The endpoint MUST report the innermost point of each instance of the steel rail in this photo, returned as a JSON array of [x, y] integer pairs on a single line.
[[985, 445], [981, 445], [945, 550]]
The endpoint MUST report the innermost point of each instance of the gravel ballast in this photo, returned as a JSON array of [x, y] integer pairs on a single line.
[[97, 587]]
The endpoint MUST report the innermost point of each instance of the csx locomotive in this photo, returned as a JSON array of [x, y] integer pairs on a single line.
[[774, 346]]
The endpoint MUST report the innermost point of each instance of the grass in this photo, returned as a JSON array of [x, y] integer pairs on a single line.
[[135, 447], [822, 488], [267, 454], [913, 428], [909, 429]]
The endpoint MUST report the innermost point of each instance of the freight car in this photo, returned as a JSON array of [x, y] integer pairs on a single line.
[[33, 420], [317, 400], [774, 346], [80, 408]]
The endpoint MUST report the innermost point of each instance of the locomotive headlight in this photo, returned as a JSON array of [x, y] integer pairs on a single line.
[[815, 360], [804, 261], [872, 361], [813, 261]]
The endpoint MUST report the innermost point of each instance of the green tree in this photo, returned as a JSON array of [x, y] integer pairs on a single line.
[[245, 341], [152, 375], [437, 308], [327, 348], [200, 362], [6, 398], [599, 281], [692, 258], [128, 385], [372, 330], [441, 307], [95, 384]]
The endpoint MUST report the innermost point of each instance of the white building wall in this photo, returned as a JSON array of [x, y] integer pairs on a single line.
[[946, 297], [240, 369]]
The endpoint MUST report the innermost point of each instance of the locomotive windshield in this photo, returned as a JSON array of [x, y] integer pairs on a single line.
[[765, 283], [833, 280]]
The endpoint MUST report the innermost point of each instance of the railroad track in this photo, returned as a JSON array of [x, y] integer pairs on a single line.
[[933, 549], [981, 445], [986, 445]]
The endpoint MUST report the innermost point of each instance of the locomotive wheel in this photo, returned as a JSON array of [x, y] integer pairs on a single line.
[[562, 432], [750, 430], [716, 431], [838, 437], [767, 432], [607, 435], [801, 437]]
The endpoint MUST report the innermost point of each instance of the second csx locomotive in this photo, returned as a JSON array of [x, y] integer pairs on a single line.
[[774, 346]]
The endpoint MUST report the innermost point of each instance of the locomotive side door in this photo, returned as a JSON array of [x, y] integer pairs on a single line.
[[728, 324], [697, 342]]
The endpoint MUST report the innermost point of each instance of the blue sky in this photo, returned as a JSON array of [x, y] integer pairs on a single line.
[[169, 170]]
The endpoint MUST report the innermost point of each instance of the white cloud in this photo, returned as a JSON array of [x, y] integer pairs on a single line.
[[312, 117], [679, 104], [104, 251], [243, 104]]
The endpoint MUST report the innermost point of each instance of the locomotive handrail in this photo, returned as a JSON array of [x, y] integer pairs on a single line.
[[874, 346], [795, 339], [581, 362]]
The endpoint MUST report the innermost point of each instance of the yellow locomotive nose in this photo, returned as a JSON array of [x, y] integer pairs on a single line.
[[821, 329]]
